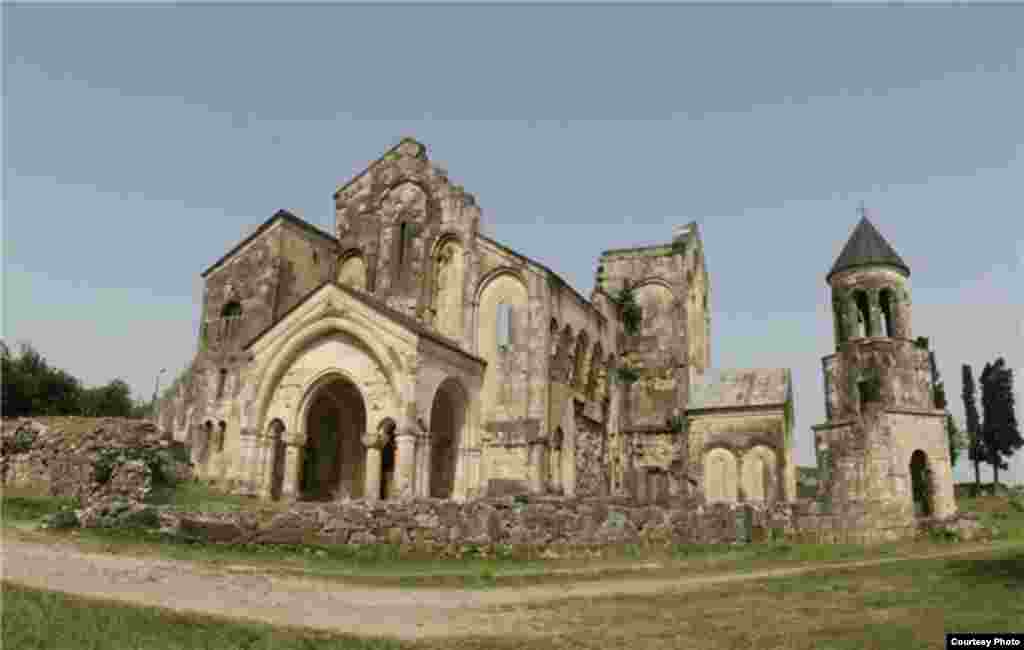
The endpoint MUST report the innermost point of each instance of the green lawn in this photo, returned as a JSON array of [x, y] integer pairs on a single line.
[[908, 605]]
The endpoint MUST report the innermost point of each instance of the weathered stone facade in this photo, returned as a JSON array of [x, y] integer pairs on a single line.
[[407, 355], [884, 451]]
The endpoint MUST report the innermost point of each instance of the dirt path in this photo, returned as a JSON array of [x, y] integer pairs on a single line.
[[366, 611]]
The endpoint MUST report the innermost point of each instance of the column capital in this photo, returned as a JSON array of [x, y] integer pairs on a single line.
[[374, 439]]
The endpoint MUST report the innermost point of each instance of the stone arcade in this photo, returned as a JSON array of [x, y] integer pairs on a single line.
[[408, 355]]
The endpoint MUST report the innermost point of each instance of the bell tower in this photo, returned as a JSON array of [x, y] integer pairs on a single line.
[[879, 400]]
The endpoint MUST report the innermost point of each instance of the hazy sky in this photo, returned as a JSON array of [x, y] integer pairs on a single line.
[[141, 143]]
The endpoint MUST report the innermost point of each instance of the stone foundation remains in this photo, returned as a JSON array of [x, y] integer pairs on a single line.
[[437, 526]]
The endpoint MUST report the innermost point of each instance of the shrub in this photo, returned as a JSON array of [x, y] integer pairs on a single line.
[[108, 459], [21, 442], [62, 519], [943, 535], [626, 374]]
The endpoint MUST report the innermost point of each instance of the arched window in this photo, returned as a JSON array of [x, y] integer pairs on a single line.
[[221, 435], [504, 325], [863, 313], [231, 315], [579, 362], [403, 236], [221, 381], [885, 303]]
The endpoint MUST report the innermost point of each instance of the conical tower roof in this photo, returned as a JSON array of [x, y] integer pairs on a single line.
[[867, 247]]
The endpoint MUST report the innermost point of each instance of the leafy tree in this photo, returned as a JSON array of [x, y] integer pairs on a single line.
[[953, 433], [142, 409], [1000, 431], [32, 387], [976, 446], [957, 442], [112, 400]]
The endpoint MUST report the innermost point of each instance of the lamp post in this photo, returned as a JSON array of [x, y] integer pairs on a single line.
[[156, 389]]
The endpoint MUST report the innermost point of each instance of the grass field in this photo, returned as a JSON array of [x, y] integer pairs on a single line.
[[907, 605]]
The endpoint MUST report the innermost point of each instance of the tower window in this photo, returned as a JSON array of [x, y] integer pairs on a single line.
[[885, 303], [230, 315], [504, 327], [863, 313], [221, 381], [220, 435], [870, 390]]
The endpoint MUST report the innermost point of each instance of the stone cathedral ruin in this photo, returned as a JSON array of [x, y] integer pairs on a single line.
[[408, 356]]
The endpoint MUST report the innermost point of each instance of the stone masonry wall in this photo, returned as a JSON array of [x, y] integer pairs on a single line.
[[591, 459], [436, 526]]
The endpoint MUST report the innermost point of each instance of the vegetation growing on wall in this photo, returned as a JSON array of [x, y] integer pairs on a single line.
[[627, 374], [675, 423], [629, 310]]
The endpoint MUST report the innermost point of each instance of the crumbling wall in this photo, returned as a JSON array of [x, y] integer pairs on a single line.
[[551, 523], [591, 459], [88, 458]]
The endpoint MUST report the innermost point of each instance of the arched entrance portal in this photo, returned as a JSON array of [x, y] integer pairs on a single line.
[[447, 421], [921, 484], [334, 462]]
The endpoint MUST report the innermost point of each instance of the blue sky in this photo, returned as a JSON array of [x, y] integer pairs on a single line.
[[142, 142]]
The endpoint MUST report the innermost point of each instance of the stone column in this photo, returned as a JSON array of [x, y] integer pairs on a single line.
[[556, 469], [851, 315], [875, 313], [405, 464], [653, 486], [374, 442], [294, 451], [537, 449], [423, 466], [246, 453], [266, 454], [640, 485]]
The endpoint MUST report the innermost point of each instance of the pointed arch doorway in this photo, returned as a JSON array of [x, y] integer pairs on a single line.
[[334, 460], [447, 424]]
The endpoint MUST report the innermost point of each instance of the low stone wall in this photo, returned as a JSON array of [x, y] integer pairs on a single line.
[[88, 458], [433, 526]]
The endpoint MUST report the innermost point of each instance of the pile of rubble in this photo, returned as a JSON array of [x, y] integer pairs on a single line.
[[100, 462]]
